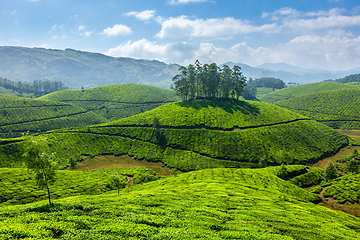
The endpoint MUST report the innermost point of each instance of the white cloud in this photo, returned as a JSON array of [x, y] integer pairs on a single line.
[[333, 21], [81, 28], [173, 52], [116, 30], [335, 51], [87, 33], [184, 27], [174, 2], [59, 37], [143, 16]]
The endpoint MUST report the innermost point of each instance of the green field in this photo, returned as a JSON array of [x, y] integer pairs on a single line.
[[196, 135], [295, 91], [205, 204], [19, 115], [116, 101], [336, 108]]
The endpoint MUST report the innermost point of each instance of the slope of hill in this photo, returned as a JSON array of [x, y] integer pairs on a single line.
[[200, 134], [295, 91], [335, 108], [17, 185], [76, 68], [205, 204], [19, 115], [116, 101]]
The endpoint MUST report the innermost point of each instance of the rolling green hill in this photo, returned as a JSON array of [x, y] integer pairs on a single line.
[[19, 115], [206, 204], [116, 101], [337, 108], [199, 134], [295, 91]]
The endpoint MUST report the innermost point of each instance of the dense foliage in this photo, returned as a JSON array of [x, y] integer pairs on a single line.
[[337, 108], [20, 115], [116, 101], [269, 82], [38, 87], [17, 184], [200, 134], [208, 81], [295, 91], [206, 204]]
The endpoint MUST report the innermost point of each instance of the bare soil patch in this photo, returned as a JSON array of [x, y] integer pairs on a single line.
[[111, 161]]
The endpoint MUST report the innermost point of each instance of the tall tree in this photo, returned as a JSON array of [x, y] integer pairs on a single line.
[[40, 160], [239, 81]]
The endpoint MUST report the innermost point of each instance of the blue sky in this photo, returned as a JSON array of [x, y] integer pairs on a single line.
[[321, 34]]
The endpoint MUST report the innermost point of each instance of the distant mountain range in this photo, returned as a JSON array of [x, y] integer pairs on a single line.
[[79, 69], [290, 73]]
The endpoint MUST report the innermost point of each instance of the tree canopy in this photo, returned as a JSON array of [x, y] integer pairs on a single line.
[[38, 88], [267, 82], [208, 81]]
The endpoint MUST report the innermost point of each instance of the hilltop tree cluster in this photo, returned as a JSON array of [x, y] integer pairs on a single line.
[[209, 81], [38, 87]]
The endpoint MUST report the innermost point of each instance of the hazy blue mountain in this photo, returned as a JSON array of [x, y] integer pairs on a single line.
[[290, 73], [78, 68]]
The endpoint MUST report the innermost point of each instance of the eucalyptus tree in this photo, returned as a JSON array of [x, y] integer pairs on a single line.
[[40, 160]]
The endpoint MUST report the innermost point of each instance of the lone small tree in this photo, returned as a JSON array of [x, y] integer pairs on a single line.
[[39, 159], [118, 181], [330, 172]]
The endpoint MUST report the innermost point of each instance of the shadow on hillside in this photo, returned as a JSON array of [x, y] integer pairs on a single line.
[[228, 105]]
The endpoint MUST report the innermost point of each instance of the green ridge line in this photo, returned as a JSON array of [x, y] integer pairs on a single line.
[[44, 119]]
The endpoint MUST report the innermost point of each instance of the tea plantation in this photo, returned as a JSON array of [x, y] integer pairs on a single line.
[[337, 108], [295, 91], [19, 115], [196, 135], [17, 185], [206, 204], [116, 101]]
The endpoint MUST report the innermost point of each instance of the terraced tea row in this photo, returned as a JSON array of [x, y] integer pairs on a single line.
[[20, 115], [116, 101], [270, 136], [336, 108], [17, 185], [205, 204], [295, 91]]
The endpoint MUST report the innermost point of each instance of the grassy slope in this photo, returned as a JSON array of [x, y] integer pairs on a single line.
[[18, 115], [295, 91], [336, 108], [116, 101], [17, 185], [205, 204], [200, 134]]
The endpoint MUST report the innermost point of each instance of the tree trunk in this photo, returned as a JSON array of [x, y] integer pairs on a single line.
[[48, 190]]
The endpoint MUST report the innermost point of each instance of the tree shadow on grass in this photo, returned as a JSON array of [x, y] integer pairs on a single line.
[[228, 105]]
